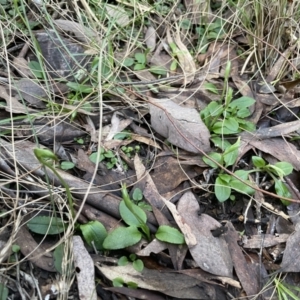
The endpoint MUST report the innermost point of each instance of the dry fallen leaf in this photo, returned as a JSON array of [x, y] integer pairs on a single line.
[[85, 272], [291, 255], [173, 284], [210, 253], [182, 126]]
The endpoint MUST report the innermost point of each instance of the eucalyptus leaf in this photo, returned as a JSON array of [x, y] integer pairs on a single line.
[[170, 235], [122, 237], [46, 225], [94, 234]]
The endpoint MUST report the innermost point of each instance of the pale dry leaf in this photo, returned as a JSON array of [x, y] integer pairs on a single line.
[[118, 14], [197, 10], [12, 104], [173, 284], [159, 202], [117, 125], [82, 33], [150, 38], [185, 59], [182, 126], [85, 273], [291, 254], [210, 253], [155, 246], [21, 65]]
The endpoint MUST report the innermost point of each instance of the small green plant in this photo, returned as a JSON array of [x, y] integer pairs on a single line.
[[137, 264], [285, 291], [225, 183], [137, 197], [108, 156], [46, 157], [122, 237], [227, 116]]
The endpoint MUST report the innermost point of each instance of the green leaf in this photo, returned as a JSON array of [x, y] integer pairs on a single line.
[[140, 58], [243, 113], [242, 102], [211, 87], [128, 62], [46, 225], [94, 233], [174, 65], [231, 153], [258, 162], [138, 265], [44, 154], [242, 174], [109, 154], [170, 235], [122, 135], [132, 285], [240, 187], [282, 190], [67, 165], [222, 190], [122, 237], [131, 218], [118, 282], [3, 292], [215, 108], [137, 194], [80, 88], [286, 167], [231, 123], [225, 177], [220, 143], [221, 128], [158, 70], [93, 157], [138, 67], [215, 156], [122, 261], [36, 69], [275, 170], [58, 257], [15, 248]]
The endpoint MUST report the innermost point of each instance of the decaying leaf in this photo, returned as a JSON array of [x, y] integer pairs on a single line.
[[291, 255], [85, 273], [82, 33], [210, 253], [170, 283], [182, 126], [185, 59], [150, 38], [118, 14]]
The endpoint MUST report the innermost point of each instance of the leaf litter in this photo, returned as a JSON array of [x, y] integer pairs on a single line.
[[229, 247]]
